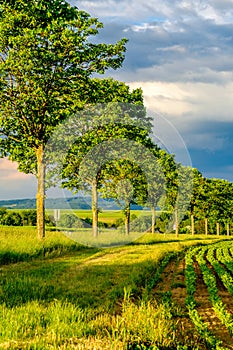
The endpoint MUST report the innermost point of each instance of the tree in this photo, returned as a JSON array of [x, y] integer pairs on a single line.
[[87, 161], [29, 217], [179, 193], [12, 219], [124, 181], [196, 201], [46, 62], [162, 174], [217, 202]]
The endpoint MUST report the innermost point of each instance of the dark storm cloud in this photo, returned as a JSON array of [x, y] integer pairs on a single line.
[[210, 146], [180, 46]]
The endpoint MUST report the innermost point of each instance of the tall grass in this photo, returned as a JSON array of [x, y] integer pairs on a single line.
[[53, 299], [21, 244], [34, 326]]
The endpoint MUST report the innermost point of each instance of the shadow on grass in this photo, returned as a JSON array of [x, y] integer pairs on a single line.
[[56, 250], [82, 283]]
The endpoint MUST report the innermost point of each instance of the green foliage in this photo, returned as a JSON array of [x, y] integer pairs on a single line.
[[141, 224], [21, 218], [12, 219], [46, 61], [106, 154], [29, 217], [70, 221], [42, 54]]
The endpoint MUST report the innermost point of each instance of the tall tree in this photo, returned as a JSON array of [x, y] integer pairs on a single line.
[[196, 201], [163, 173], [89, 159], [46, 61], [217, 202], [126, 183]]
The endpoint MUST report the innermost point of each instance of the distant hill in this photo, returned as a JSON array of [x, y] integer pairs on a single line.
[[50, 203], [61, 203], [28, 203]]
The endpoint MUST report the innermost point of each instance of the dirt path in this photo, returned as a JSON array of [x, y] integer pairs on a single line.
[[172, 283]]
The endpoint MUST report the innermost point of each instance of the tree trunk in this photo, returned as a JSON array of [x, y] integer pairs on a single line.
[[153, 219], [40, 196], [218, 228], [94, 209], [206, 226], [127, 219], [176, 222], [192, 225]]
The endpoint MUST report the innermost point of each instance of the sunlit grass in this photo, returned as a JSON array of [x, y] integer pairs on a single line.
[[21, 244], [61, 295], [105, 238], [105, 216]]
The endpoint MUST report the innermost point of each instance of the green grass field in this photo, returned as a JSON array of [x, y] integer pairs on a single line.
[[58, 294], [107, 216]]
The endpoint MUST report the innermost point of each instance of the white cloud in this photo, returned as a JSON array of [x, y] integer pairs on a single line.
[[202, 100], [14, 184], [190, 107], [8, 170]]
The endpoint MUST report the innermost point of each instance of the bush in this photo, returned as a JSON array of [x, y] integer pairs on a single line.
[[141, 224], [3, 212], [70, 221], [12, 219]]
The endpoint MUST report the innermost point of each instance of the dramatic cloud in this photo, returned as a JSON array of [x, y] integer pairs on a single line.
[[180, 52]]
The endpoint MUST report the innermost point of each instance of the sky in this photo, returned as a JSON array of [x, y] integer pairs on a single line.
[[181, 54]]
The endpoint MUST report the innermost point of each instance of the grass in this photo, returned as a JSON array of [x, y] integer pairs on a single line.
[[106, 237], [57, 294], [21, 244], [106, 216]]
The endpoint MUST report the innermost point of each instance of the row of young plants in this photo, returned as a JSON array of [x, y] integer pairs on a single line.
[[200, 325], [220, 270], [224, 255], [211, 283], [217, 255]]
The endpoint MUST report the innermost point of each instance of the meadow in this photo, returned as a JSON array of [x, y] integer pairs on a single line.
[[106, 216], [59, 294]]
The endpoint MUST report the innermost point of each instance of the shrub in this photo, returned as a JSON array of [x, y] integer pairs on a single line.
[[3, 212], [12, 219], [70, 221], [141, 224]]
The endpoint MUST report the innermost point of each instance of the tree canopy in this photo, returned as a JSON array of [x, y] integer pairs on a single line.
[[46, 62]]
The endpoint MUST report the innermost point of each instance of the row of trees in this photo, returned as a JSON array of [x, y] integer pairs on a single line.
[[211, 203], [47, 61], [90, 134], [17, 218]]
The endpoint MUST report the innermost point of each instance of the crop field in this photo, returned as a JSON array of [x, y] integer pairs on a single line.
[[160, 292], [200, 285]]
